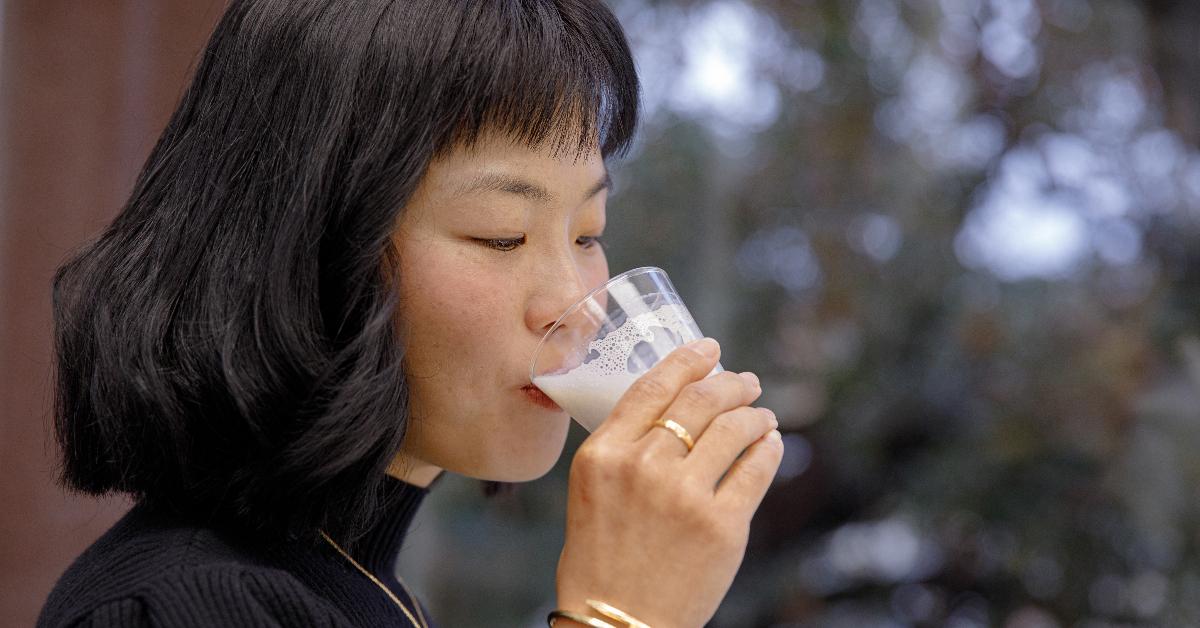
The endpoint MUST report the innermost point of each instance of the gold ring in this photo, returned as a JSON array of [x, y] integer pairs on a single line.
[[678, 430]]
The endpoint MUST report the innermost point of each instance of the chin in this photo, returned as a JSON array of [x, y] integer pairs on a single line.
[[527, 464], [522, 447], [531, 472], [528, 471], [528, 468]]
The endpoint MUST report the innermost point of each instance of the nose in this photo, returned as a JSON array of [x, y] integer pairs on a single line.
[[562, 285]]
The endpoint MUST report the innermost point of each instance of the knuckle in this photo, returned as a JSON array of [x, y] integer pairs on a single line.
[[750, 383], [614, 466], [649, 387], [641, 463], [597, 461], [731, 379], [725, 426], [699, 496], [775, 447], [588, 458], [740, 388], [754, 467], [701, 394], [764, 465], [681, 506], [691, 508], [722, 533], [759, 421], [690, 358]]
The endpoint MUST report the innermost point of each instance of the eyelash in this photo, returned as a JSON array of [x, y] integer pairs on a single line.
[[505, 246]]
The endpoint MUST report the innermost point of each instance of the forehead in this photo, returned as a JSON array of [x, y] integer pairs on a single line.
[[498, 175], [470, 168]]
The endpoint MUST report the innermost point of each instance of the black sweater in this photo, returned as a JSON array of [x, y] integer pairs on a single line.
[[152, 569]]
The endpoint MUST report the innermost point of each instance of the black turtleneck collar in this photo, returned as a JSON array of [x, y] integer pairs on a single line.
[[378, 549]]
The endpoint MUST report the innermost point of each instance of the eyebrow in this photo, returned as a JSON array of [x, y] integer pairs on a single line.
[[500, 182]]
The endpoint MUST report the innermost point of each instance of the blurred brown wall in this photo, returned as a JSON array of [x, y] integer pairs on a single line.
[[85, 89]]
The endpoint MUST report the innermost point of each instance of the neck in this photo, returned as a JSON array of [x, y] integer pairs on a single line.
[[413, 471]]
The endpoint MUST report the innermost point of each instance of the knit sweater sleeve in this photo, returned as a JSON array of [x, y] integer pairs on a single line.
[[228, 596], [125, 612]]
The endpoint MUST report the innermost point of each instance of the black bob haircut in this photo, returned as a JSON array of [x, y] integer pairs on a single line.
[[226, 347]]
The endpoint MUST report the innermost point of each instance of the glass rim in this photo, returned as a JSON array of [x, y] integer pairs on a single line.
[[640, 270]]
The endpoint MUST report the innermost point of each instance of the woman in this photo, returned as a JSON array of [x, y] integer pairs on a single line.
[[324, 291]]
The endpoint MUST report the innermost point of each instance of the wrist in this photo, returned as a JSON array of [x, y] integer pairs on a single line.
[[598, 614], [567, 619], [573, 607]]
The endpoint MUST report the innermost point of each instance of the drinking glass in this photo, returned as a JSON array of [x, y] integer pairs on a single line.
[[608, 339]]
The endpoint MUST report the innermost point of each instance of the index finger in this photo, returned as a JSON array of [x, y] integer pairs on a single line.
[[650, 395]]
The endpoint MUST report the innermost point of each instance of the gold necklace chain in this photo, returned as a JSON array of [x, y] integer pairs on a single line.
[[415, 623]]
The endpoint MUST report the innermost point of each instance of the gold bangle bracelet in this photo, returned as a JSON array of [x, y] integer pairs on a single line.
[[612, 612], [583, 619]]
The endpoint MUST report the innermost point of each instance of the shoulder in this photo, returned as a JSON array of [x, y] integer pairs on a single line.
[[229, 595], [147, 573]]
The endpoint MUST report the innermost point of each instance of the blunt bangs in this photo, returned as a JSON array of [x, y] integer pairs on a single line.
[[562, 80]]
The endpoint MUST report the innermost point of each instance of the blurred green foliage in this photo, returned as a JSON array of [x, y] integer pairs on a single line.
[[960, 242]]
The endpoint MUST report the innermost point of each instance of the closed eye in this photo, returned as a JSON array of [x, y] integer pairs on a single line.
[[505, 245], [502, 245], [590, 241]]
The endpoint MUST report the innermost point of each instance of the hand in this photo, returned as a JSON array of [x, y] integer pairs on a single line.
[[651, 528]]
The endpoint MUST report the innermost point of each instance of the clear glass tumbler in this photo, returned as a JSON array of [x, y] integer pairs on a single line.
[[608, 339]]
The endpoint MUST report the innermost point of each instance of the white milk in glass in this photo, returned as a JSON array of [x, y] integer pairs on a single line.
[[591, 390]]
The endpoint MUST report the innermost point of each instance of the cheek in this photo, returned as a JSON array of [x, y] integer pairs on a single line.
[[448, 305]]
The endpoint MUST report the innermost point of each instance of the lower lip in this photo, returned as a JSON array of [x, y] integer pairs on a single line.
[[533, 394]]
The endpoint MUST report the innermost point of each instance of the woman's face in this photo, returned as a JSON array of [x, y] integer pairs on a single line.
[[494, 245]]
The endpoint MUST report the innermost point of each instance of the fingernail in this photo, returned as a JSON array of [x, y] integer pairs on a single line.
[[707, 347], [774, 436], [751, 379], [774, 419]]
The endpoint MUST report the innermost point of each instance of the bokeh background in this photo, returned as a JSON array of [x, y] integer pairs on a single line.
[[959, 240]]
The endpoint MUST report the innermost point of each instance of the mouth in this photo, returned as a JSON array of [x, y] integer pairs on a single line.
[[539, 398]]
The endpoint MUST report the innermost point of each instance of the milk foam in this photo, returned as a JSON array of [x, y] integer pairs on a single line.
[[591, 391]]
